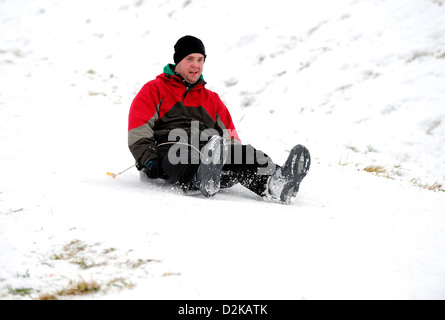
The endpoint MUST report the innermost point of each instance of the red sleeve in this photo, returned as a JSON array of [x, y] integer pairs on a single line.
[[143, 107], [225, 122], [141, 120]]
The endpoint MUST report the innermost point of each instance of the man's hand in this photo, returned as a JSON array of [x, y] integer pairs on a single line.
[[152, 169]]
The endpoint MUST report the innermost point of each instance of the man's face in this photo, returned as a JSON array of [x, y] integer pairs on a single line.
[[191, 67]]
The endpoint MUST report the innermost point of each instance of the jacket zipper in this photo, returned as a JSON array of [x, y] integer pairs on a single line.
[[186, 92]]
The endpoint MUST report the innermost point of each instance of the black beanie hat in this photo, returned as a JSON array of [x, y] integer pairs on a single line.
[[188, 45]]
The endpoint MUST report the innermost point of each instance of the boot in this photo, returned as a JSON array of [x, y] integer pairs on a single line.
[[213, 158], [284, 184]]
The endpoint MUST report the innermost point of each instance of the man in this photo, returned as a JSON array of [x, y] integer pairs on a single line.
[[181, 131]]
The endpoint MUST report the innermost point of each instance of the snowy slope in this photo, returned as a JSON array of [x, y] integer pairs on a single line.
[[360, 83]]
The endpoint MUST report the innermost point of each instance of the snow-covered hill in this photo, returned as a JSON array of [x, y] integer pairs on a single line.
[[360, 83]]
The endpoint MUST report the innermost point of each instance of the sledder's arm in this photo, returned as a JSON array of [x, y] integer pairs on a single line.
[[141, 121], [225, 123]]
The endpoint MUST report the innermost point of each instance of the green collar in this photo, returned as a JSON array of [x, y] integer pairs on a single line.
[[170, 70]]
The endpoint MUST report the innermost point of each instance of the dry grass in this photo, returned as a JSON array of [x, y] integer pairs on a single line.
[[80, 288], [431, 187], [171, 274], [381, 171], [376, 169], [83, 255], [84, 288], [140, 262], [70, 250], [48, 297]]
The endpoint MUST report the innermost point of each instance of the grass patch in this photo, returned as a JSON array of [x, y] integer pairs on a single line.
[[110, 250], [48, 297], [80, 288], [84, 288], [26, 275], [20, 291], [371, 149], [431, 187], [171, 274], [82, 254], [85, 264], [352, 148], [376, 169], [140, 262], [120, 283], [70, 250], [381, 171]]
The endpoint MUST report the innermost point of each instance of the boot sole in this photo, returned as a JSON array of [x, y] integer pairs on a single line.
[[294, 171], [213, 158]]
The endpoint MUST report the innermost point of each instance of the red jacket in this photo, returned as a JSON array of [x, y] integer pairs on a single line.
[[167, 103]]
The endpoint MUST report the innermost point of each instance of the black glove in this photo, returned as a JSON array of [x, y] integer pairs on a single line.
[[152, 169]]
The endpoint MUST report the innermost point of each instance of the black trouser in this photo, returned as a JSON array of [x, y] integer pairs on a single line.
[[245, 165]]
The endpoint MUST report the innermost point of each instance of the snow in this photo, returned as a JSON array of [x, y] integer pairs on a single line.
[[360, 83]]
